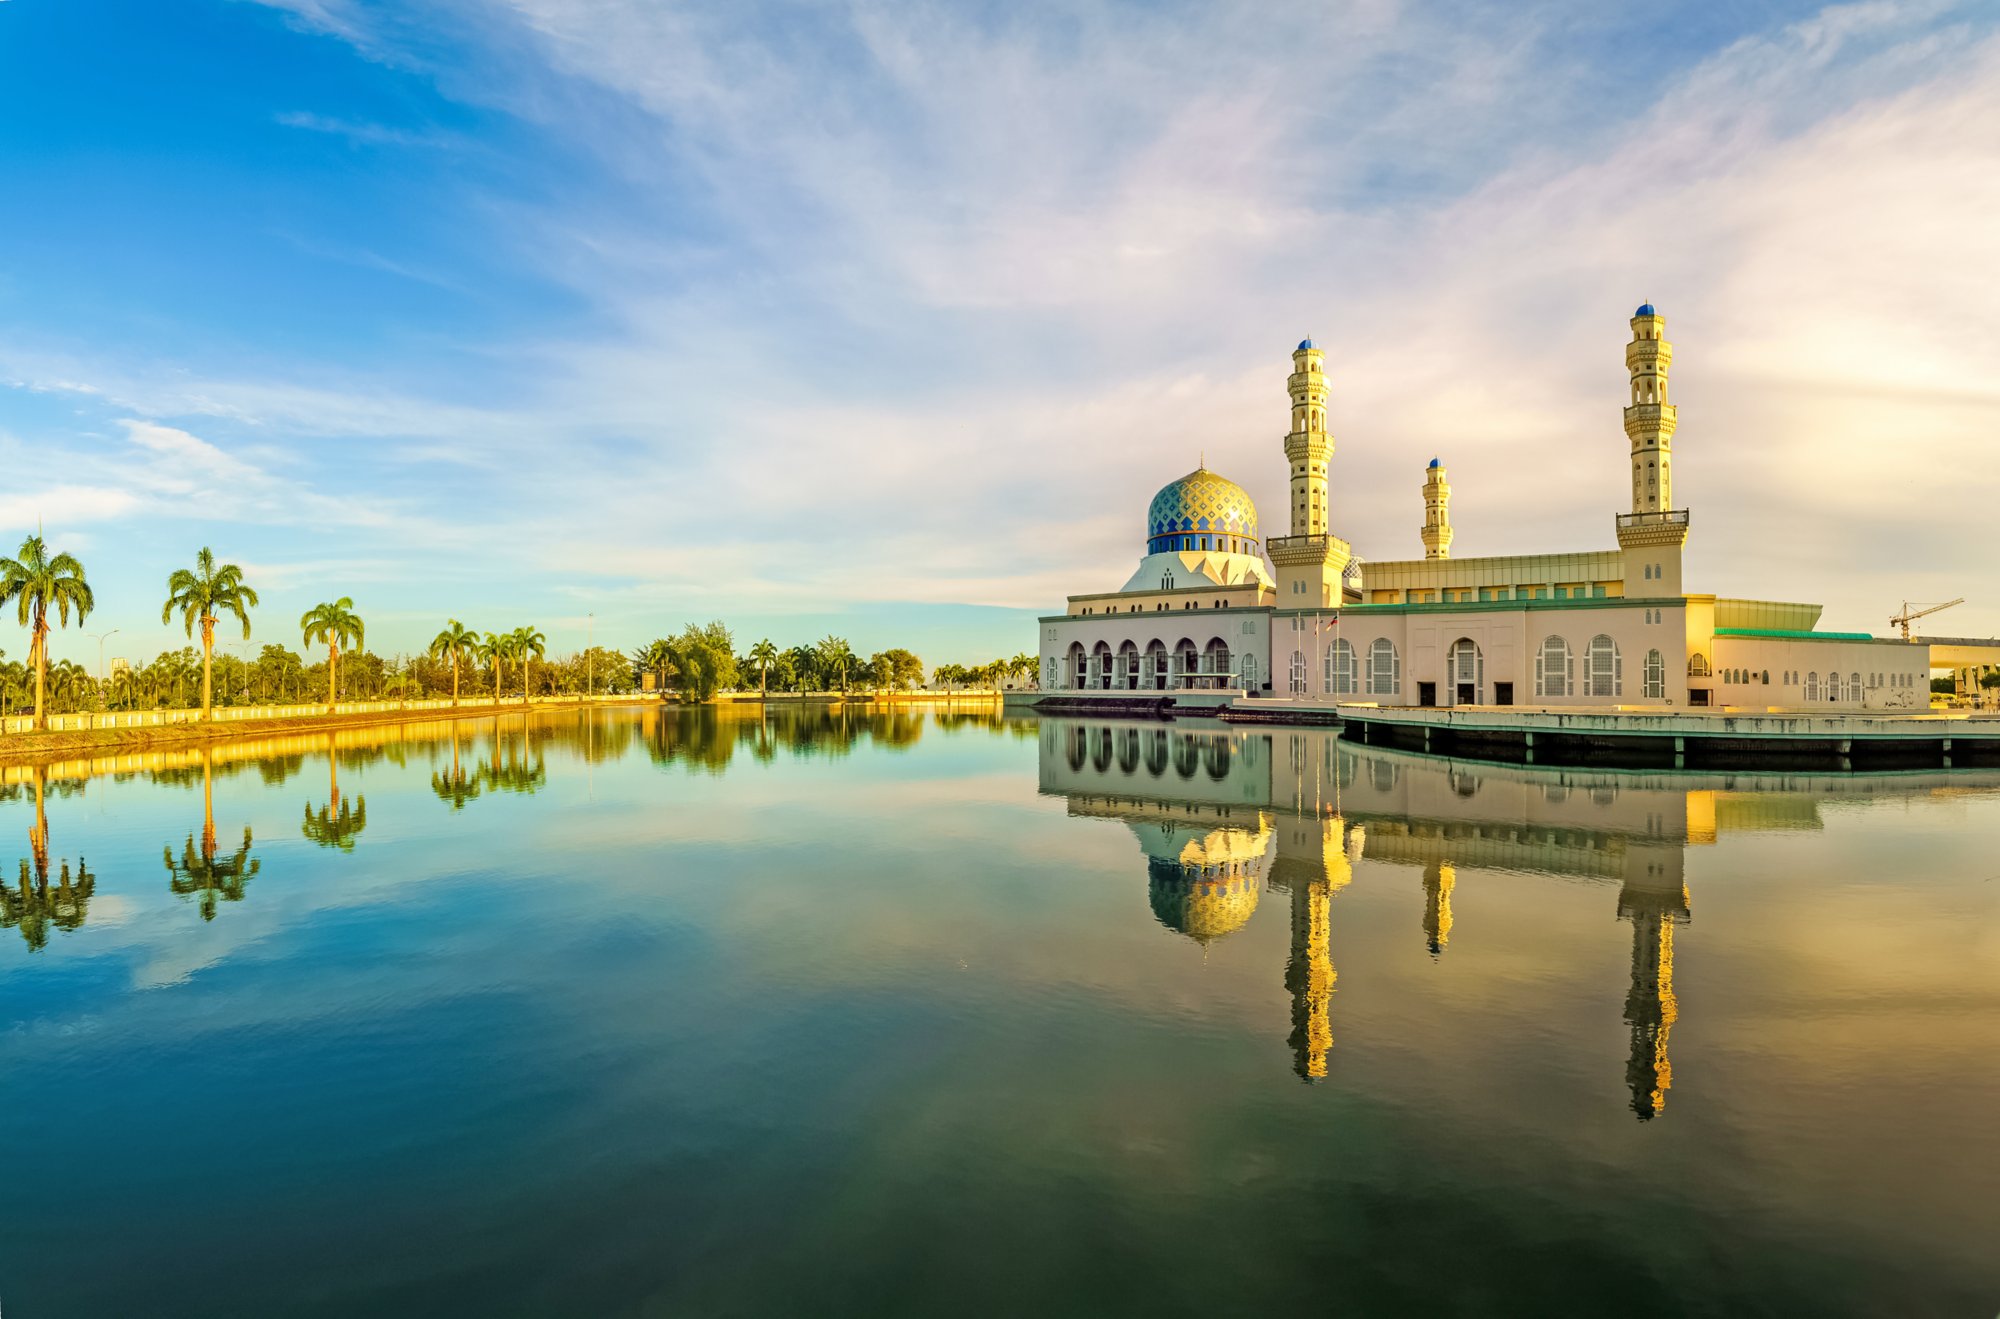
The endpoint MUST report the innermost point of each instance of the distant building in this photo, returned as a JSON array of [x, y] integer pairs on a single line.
[[1589, 627]]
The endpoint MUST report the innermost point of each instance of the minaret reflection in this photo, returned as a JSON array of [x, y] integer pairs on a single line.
[[1650, 1009], [1438, 880], [1315, 861], [1196, 801]]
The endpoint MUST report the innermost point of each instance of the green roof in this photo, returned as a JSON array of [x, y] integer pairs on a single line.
[[1788, 634]]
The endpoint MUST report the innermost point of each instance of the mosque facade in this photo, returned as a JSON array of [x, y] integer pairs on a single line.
[[1215, 605]]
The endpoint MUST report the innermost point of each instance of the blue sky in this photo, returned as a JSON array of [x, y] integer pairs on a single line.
[[887, 319]]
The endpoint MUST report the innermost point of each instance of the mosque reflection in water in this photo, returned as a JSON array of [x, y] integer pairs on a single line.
[[1228, 817]]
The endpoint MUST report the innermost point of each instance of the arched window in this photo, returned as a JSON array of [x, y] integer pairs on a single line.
[[1249, 672], [1385, 668], [1698, 665], [1604, 668], [1854, 687], [1466, 669], [1555, 668], [1812, 686], [1656, 675], [1340, 670], [1298, 674]]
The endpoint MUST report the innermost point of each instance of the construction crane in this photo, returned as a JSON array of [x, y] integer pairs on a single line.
[[1909, 616]]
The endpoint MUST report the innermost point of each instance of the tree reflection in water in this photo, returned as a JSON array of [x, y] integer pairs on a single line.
[[456, 785], [337, 823], [202, 870], [33, 906], [210, 875], [36, 909], [704, 739]]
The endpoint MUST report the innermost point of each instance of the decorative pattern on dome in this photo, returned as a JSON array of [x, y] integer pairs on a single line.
[[1202, 902], [1202, 502]]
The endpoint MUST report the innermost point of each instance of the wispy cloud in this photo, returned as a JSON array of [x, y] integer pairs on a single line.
[[364, 133]]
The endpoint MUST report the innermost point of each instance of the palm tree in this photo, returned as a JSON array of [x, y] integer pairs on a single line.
[[526, 644], [69, 683], [201, 595], [495, 648], [657, 658], [332, 623], [836, 655], [763, 655], [454, 643], [41, 583]]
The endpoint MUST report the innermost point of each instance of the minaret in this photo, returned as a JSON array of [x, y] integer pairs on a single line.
[[1437, 513], [1650, 419], [1309, 445], [1654, 533], [1309, 561]]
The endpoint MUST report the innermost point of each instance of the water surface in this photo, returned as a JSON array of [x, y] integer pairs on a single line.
[[836, 1012]]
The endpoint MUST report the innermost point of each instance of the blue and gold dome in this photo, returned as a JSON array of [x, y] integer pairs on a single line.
[[1202, 511]]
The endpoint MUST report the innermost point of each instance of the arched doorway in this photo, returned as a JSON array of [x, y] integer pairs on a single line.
[[1156, 666], [1077, 669], [1100, 667], [1128, 667], [1186, 660], [1465, 672], [1216, 658]]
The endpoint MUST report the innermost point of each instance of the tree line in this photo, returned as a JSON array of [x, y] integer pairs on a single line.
[[48, 590], [701, 661]]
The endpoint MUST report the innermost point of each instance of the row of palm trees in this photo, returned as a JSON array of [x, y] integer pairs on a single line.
[[989, 674], [40, 584], [458, 644]]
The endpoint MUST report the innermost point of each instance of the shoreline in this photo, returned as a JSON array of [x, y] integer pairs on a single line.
[[26, 748]]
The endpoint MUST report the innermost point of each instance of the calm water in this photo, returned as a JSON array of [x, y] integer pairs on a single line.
[[851, 1014]]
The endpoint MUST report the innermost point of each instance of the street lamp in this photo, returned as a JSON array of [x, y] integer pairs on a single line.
[[243, 675], [99, 638]]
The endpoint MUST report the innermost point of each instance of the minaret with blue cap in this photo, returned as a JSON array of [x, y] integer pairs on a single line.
[[1309, 561], [1309, 446], [1650, 419], [1437, 512]]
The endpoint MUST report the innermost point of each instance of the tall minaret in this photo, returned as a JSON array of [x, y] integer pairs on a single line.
[[1309, 561], [1437, 513], [1309, 445], [1650, 419]]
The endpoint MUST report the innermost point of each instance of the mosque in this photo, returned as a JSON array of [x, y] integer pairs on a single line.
[[1207, 611]]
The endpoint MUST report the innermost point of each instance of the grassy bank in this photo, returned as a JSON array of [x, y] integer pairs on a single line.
[[29, 747]]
